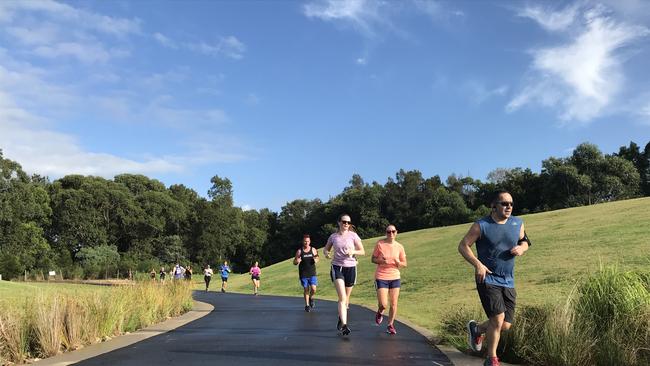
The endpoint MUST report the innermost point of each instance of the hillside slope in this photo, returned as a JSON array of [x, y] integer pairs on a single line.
[[567, 244]]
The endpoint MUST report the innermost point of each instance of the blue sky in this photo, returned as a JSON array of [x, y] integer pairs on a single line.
[[290, 99]]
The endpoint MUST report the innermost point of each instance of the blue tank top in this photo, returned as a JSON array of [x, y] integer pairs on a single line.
[[493, 249]]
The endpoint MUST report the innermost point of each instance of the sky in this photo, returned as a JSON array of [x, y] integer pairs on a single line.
[[289, 99]]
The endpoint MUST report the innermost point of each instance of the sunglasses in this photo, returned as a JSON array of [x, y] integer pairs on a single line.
[[391, 231], [505, 204], [345, 222]]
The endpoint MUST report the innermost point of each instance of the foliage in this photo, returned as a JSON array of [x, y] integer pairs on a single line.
[[44, 226]]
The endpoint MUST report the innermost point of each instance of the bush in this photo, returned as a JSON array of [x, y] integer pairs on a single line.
[[604, 321]]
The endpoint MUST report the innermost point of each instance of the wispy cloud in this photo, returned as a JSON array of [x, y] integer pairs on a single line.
[[478, 92], [164, 40], [227, 46], [584, 76], [363, 15], [550, 19]]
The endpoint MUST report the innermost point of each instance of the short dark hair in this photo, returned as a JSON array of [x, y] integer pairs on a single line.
[[495, 195], [305, 236]]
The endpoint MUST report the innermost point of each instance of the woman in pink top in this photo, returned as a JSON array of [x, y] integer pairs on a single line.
[[345, 244], [389, 256], [255, 272]]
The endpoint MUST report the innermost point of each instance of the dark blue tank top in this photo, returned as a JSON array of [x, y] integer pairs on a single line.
[[493, 249]]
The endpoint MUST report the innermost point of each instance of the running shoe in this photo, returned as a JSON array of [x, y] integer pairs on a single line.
[[474, 337], [222, 290], [390, 329], [307, 309], [339, 325], [491, 361], [345, 330], [311, 302], [378, 317]]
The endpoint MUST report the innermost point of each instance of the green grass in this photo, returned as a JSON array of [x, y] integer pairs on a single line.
[[567, 245], [19, 291]]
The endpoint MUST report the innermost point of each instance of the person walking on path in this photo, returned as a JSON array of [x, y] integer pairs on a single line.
[[499, 238], [207, 276], [255, 272], [389, 256], [306, 259], [346, 244], [225, 272]]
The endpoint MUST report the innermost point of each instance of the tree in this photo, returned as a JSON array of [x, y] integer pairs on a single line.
[[95, 260], [221, 191]]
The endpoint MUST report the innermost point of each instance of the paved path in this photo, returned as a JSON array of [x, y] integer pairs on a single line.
[[272, 330]]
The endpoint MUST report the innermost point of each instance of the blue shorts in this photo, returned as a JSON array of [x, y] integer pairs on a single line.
[[347, 274], [308, 281], [388, 283]]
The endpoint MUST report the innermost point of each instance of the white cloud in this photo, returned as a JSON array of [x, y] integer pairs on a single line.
[[478, 92], [550, 19], [164, 40], [584, 76], [363, 15], [227, 46], [63, 13], [24, 138], [362, 61]]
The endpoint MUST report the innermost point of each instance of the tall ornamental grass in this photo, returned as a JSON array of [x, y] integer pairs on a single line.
[[46, 325], [605, 320]]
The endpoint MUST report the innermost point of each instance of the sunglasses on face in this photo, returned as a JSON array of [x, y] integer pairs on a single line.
[[345, 222], [505, 204], [391, 231]]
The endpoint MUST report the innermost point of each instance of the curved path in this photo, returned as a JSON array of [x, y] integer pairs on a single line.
[[273, 330]]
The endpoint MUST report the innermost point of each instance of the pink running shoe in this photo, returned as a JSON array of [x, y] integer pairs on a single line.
[[390, 329], [378, 317]]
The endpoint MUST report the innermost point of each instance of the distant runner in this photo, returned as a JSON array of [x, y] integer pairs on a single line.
[[207, 276], [178, 271], [306, 259], [225, 272], [499, 238], [188, 273], [162, 274], [389, 256], [345, 244], [255, 272]]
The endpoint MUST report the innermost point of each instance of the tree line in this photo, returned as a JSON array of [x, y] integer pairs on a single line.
[[91, 227]]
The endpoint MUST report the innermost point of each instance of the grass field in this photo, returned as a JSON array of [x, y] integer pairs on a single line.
[[567, 245], [18, 291]]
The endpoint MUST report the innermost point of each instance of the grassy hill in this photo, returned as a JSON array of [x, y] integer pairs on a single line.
[[567, 244]]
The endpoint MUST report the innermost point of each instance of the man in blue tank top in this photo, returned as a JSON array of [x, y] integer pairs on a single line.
[[499, 238]]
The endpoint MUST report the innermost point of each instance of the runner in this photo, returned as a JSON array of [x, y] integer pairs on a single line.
[[188, 273], [255, 272], [162, 274], [389, 256], [499, 238], [207, 276], [225, 272], [306, 259], [345, 244], [152, 274], [178, 271]]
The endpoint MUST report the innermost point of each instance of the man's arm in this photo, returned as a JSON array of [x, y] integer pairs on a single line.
[[522, 245], [296, 259], [464, 248]]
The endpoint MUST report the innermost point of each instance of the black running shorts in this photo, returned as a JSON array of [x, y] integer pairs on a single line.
[[347, 274], [497, 300]]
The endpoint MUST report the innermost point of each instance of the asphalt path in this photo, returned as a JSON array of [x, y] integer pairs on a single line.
[[273, 330]]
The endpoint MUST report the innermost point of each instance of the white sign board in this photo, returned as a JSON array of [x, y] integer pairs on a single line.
[[52, 273]]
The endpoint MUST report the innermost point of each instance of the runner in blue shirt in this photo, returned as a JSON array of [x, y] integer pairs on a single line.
[[500, 238], [225, 271]]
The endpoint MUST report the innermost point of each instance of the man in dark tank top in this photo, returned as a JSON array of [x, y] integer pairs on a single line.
[[499, 238], [306, 259]]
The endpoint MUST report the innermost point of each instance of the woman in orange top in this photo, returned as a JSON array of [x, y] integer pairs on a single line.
[[389, 256]]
